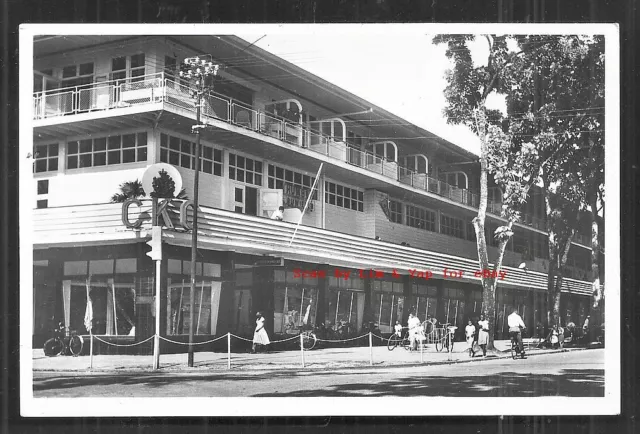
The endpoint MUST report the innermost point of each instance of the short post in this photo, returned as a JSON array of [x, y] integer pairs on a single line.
[[370, 348], [90, 350], [302, 349], [228, 350]]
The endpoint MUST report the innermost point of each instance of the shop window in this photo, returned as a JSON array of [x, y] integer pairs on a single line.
[[245, 169], [242, 319], [344, 310], [388, 304], [177, 266], [294, 308], [207, 301], [46, 158], [425, 301], [421, 218], [180, 152], [112, 306]]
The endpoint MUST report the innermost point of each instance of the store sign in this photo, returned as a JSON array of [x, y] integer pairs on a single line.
[[269, 262], [162, 212], [296, 196]]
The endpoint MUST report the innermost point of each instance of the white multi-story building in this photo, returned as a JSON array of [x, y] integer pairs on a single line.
[[107, 107]]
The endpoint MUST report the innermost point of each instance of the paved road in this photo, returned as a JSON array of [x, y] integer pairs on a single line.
[[579, 373]]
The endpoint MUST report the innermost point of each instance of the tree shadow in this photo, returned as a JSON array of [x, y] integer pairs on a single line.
[[569, 382]]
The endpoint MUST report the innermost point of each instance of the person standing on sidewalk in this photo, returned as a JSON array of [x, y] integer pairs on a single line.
[[483, 334], [260, 336], [470, 332]]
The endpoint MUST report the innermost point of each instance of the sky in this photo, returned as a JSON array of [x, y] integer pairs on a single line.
[[404, 74]]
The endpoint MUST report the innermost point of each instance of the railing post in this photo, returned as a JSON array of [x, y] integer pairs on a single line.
[[91, 350], [302, 349], [229, 350], [370, 348]]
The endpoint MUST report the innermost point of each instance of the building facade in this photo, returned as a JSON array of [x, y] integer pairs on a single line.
[[392, 210]]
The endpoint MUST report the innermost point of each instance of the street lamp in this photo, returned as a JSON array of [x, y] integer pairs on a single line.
[[197, 71]]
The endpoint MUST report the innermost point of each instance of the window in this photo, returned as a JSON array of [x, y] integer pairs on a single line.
[[296, 185], [46, 158], [344, 309], [179, 267], [127, 148], [426, 301], [451, 226], [421, 218], [77, 75], [295, 307], [345, 197], [180, 152], [388, 304], [491, 237], [206, 301], [395, 211], [42, 203], [540, 249], [135, 68], [43, 186], [471, 232], [245, 169]]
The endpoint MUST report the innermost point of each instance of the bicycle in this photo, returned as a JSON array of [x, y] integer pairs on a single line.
[[59, 344], [396, 341], [447, 340], [514, 347]]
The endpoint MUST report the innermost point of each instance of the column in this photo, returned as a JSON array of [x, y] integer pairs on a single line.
[[409, 300], [262, 293], [323, 284], [227, 288]]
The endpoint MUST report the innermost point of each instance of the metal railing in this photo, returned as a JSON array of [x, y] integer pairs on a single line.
[[158, 87], [98, 96]]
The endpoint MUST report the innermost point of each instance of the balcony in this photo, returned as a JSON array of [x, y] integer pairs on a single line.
[[158, 88]]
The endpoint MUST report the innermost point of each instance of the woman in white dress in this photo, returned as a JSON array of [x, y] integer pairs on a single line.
[[260, 336], [483, 334]]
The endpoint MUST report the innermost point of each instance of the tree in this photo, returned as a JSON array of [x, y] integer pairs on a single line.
[[468, 87], [128, 190], [556, 101]]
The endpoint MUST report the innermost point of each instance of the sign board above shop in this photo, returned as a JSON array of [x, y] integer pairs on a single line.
[[269, 262]]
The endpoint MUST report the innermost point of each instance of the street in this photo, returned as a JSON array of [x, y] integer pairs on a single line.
[[574, 373]]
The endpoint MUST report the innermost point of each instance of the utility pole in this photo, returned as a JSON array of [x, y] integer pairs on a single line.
[[197, 71]]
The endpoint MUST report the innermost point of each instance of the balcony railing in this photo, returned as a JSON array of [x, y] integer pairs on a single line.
[[158, 87]]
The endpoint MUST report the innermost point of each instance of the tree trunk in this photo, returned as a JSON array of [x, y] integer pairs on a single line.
[[595, 255], [489, 285]]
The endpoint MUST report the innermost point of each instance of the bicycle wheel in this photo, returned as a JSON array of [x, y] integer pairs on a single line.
[[439, 345], [75, 345], [309, 341], [52, 347], [406, 343], [392, 342], [513, 351]]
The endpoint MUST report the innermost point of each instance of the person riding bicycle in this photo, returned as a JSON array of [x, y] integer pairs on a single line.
[[516, 325], [398, 329]]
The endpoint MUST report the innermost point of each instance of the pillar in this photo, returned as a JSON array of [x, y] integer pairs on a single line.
[[227, 288]]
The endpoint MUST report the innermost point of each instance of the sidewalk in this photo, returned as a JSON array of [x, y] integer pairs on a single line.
[[324, 359]]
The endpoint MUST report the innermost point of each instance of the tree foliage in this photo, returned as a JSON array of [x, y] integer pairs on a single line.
[[550, 87]]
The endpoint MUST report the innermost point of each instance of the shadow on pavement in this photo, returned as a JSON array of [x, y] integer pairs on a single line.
[[569, 382]]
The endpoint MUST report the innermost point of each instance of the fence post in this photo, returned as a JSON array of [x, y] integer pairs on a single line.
[[228, 350], [302, 348], [370, 348]]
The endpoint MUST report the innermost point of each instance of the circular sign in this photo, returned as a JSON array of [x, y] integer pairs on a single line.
[[154, 171]]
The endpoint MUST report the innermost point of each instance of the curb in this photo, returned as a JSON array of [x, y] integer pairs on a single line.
[[183, 370]]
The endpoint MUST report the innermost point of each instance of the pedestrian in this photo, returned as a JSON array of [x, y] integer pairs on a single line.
[[483, 334], [585, 328], [398, 329], [470, 332], [260, 336], [555, 339], [561, 337], [413, 324]]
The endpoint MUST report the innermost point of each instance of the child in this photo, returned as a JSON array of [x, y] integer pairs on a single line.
[[470, 332], [398, 329]]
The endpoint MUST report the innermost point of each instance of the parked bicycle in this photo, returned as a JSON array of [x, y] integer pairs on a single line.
[[448, 339], [60, 343]]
